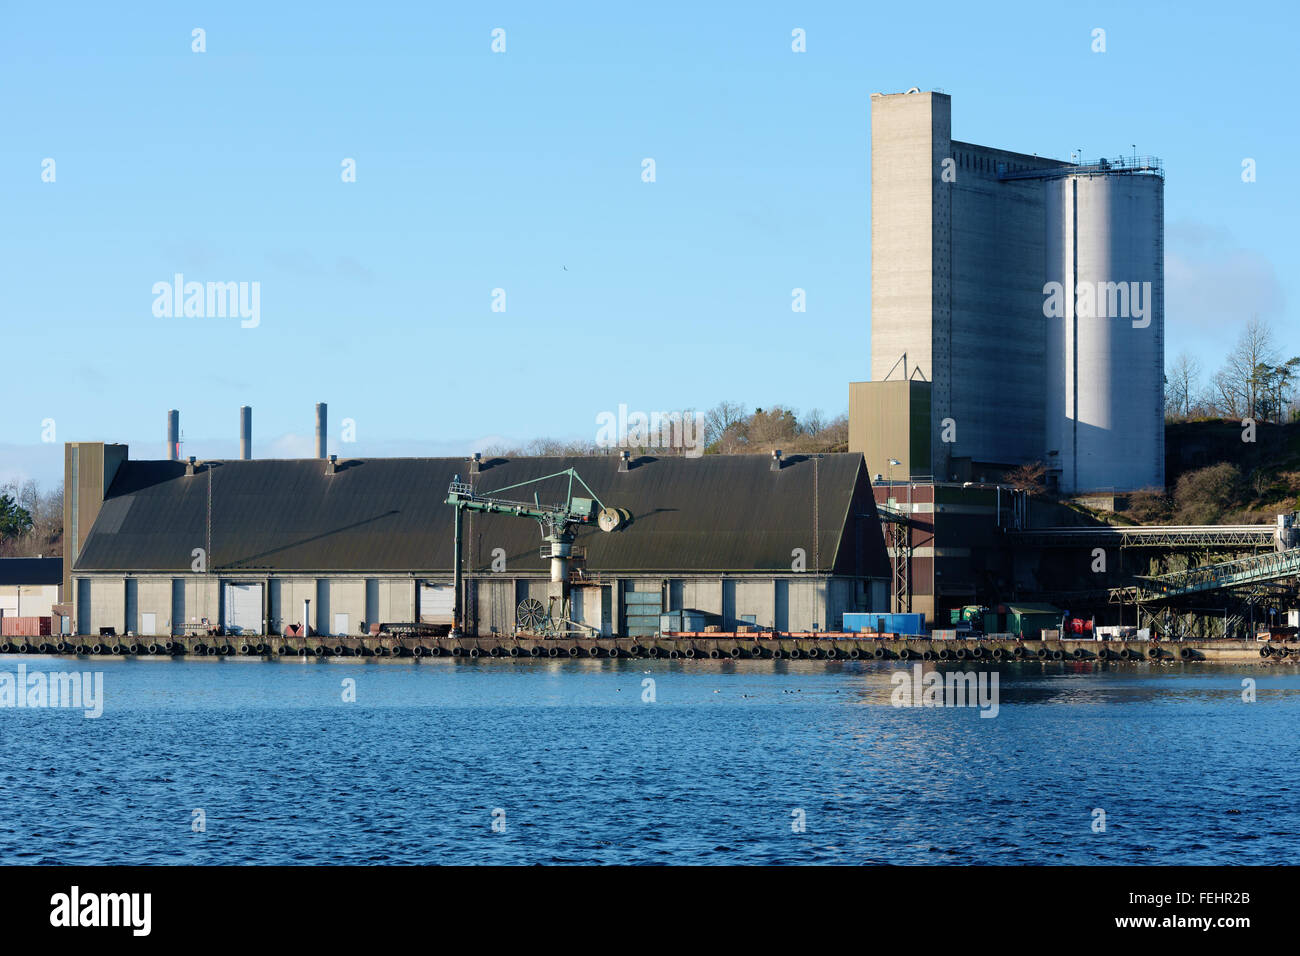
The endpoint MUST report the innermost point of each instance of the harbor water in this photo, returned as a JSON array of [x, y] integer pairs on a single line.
[[241, 761]]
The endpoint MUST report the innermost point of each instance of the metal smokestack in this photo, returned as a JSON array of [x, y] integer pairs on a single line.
[[322, 435], [245, 432], [173, 435]]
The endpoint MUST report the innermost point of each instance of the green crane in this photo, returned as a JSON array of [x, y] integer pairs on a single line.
[[558, 523]]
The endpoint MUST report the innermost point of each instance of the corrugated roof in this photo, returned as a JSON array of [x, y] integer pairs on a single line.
[[33, 571], [714, 513]]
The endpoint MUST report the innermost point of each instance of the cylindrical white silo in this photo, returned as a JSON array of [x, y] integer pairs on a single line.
[[1105, 355]]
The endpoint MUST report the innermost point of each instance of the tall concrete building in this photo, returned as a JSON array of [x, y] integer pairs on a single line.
[[968, 245]]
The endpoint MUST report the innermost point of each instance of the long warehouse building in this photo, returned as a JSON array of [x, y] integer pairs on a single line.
[[156, 547]]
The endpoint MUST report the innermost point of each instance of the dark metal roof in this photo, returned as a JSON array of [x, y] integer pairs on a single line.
[[714, 513], [31, 571]]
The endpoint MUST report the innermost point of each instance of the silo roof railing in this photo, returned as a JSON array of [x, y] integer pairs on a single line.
[[1123, 165]]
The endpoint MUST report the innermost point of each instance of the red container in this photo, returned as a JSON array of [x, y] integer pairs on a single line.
[[25, 626]]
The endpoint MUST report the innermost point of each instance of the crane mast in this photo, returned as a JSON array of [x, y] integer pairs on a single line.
[[558, 524]]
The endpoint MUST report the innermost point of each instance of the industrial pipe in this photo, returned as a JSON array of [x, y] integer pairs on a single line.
[[173, 435], [322, 432], [245, 433]]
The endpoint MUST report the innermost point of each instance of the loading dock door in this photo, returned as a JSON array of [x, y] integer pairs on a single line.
[[243, 609], [641, 610], [436, 603]]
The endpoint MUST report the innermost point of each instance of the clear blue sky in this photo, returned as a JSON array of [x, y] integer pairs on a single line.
[[478, 170]]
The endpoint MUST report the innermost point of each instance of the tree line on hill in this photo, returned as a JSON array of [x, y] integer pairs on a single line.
[[728, 428], [31, 521], [1255, 382]]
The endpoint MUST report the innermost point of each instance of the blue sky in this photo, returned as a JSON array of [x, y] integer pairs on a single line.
[[522, 170]]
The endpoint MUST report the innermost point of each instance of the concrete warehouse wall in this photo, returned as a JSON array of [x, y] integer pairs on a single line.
[[28, 600], [792, 602]]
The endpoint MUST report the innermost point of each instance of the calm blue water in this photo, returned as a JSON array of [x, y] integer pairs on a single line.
[[586, 772]]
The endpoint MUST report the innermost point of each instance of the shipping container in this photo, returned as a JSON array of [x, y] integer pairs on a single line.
[[910, 624], [685, 621], [24, 626]]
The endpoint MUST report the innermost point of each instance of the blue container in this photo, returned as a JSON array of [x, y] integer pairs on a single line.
[[684, 621], [910, 624]]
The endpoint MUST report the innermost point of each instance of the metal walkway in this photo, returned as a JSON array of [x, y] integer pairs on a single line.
[[1151, 536], [1258, 569]]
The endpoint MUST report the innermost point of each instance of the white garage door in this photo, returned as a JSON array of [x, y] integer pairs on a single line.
[[436, 603], [243, 611]]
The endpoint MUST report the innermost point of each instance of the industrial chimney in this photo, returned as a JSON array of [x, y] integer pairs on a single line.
[[245, 432], [322, 435], [173, 435]]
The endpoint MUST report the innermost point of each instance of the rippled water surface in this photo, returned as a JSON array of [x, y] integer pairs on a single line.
[[714, 770]]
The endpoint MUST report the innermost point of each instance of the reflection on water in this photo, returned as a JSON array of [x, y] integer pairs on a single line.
[[711, 771]]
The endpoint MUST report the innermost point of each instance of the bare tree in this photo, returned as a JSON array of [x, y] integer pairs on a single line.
[[720, 419], [1182, 381], [1239, 383]]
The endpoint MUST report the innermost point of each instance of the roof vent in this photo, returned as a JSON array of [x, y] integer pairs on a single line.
[[332, 465], [189, 466], [622, 461], [476, 463], [776, 460]]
